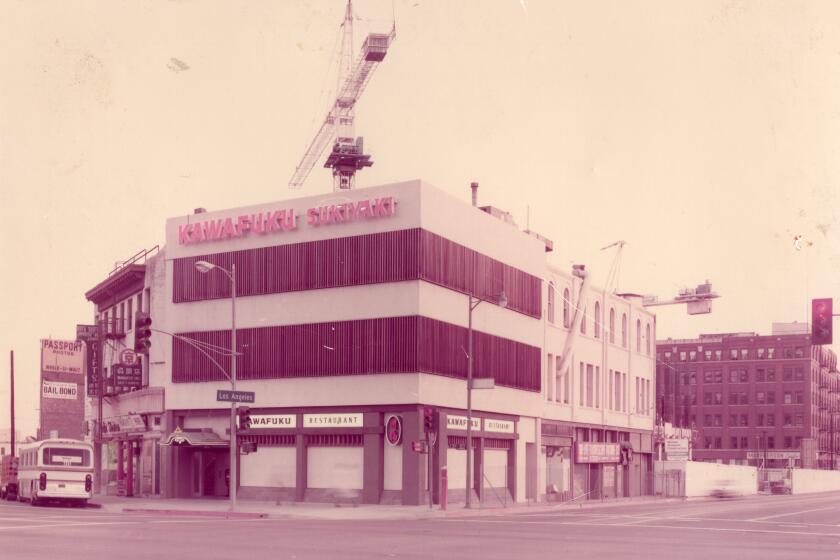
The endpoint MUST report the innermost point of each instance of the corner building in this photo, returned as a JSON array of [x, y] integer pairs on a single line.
[[352, 315]]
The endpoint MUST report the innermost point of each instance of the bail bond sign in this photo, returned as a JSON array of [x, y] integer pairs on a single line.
[[57, 390]]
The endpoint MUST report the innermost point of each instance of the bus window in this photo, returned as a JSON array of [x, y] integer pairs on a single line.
[[66, 456]]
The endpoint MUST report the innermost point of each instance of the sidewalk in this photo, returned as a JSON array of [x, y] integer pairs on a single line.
[[328, 511]]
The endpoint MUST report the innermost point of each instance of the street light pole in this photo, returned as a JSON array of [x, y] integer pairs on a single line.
[[232, 488], [205, 267], [474, 302], [469, 400], [764, 434]]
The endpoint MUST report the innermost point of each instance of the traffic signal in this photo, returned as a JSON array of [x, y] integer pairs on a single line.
[[142, 332], [244, 417], [821, 314], [430, 420]]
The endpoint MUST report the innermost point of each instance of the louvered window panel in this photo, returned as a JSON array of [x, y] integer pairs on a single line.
[[394, 256], [370, 346]]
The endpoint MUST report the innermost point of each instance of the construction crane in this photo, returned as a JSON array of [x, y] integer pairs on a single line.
[[698, 300], [615, 268], [347, 155]]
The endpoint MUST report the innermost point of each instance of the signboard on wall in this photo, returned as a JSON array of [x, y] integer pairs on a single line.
[[350, 420], [460, 423], [62, 356], [773, 454], [127, 377], [676, 449], [269, 421], [393, 429], [57, 390], [62, 410], [126, 424], [597, 452], [89, 335], [499, 426]]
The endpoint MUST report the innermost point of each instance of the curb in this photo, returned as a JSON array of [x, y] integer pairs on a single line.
[[202, 513]]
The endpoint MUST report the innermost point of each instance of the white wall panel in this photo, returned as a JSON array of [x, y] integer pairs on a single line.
[[273, 467], [393, 475], [495, 468], [335, 467], [456, 468]]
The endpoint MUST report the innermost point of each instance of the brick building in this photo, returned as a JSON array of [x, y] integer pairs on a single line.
[[752, 398]]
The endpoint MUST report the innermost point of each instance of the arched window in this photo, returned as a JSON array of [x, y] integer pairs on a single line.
[[612, 325], [638, 335], [551, 302], [647, 339], [597, 328], [624, 330], [566, 307], [583, 321]]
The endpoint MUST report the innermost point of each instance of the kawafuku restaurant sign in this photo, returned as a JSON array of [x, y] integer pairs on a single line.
[[350, 420], [269, 421], [283, 220]]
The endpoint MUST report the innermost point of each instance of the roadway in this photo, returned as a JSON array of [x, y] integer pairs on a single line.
[[761, 527]]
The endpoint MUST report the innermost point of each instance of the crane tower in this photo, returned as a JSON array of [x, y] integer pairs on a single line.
[[347, 155]]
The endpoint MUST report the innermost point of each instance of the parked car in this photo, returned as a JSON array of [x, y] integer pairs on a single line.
[[8, 477]]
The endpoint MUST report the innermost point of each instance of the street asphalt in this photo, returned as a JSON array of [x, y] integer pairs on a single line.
[[761, 527]]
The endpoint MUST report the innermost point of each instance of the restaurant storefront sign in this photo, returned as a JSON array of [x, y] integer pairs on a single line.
[[350, 420], [273, 421]]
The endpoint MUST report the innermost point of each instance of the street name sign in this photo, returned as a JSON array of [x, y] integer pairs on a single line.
[[223, 395]]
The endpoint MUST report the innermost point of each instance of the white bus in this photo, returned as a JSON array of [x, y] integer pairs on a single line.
[[55, 469]]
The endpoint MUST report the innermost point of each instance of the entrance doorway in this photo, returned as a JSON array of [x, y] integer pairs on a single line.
[[208, 470]]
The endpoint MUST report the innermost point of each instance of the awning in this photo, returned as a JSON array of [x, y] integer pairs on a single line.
[[195, 438]]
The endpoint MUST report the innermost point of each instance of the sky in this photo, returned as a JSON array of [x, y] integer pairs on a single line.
[[702, 134]]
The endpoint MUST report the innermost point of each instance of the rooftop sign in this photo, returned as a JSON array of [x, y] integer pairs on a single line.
[[285, 219]]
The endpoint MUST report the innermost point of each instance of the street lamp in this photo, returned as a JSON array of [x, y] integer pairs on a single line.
[[204, 267], [474, 302], [764, 463]]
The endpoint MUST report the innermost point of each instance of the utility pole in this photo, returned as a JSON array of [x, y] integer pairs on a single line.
[[12, 400]]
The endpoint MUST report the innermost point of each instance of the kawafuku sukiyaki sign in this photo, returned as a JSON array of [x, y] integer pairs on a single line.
[[281, 220]]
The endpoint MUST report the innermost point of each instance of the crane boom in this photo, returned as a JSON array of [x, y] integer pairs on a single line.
[[313, 152], [346, 157]]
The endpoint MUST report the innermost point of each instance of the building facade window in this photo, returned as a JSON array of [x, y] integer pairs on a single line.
[[583, 321], [638, 335], [549, 374], [647, 339], [550, 304], [624, 330], [582, 380], [597, 327], [566, 318], [612, 327]]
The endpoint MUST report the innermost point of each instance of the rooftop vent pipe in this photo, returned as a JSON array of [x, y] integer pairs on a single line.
[[474, 187]]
